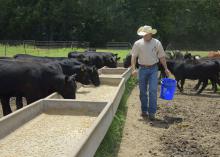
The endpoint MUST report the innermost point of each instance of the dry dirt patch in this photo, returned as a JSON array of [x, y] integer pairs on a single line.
[[189, 127]]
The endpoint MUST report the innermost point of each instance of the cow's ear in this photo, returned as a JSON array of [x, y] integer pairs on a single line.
[[73, 77], [70, 78]]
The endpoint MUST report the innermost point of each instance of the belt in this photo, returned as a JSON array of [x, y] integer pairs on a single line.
[[148, 66]]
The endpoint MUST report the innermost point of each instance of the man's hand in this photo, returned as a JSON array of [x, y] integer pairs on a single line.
[[167, 72], [134, 73]]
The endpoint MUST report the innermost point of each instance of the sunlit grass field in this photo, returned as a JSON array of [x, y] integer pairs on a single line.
[[10, 51], [63, 52]]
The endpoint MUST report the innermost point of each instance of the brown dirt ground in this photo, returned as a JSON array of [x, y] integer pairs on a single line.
[[188, 128]]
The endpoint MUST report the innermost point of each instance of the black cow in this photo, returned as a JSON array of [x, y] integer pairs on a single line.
[[33, 81], [127, 61], [199, 70], [85, 74], [106, 54], [214, 84], [109, 59], [95, 58]]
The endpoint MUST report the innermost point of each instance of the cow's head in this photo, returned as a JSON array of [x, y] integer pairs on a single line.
[[83, 75], [111, 61], [69, 89]]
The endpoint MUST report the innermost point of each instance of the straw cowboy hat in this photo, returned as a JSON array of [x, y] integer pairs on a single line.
[[143, 30]]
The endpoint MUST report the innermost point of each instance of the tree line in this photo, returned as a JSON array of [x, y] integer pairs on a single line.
[[181, 23]]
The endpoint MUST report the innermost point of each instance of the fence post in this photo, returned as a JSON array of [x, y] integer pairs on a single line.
[[5, 49], [24, 47]]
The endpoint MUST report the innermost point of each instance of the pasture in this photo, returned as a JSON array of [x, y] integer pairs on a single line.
[[59, 52], [62, 52]]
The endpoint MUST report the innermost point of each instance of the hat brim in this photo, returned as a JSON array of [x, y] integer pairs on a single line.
[[140, 31]]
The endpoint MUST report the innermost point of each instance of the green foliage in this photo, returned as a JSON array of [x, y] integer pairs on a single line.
[[112, 139], [184, 23]]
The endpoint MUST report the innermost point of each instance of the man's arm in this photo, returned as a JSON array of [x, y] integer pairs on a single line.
[[133, 64], [164, 63], [161, 55], [134, 55]]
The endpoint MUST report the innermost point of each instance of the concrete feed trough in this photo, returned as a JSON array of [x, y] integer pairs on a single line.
[[110, 90], [105, 92], [115, 72], [65, 127], [55, 128]]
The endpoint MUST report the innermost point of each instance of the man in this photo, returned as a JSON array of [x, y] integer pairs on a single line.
[[149, 52]]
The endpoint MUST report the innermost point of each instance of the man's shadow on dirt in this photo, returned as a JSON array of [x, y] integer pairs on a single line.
[[165, 122]]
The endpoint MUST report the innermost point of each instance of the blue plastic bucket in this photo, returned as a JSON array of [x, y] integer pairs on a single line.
[[168, 88]]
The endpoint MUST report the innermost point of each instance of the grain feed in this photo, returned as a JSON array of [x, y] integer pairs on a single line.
[[53, 133], [100, 93]]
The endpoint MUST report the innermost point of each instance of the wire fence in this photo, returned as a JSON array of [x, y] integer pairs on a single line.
[[51, 48], [12, 47]]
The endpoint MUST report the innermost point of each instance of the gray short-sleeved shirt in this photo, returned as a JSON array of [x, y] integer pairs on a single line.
[[148, 53]]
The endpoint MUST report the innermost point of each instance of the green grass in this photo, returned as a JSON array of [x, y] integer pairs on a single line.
[[110, 144], [62, 52], [59, 52]]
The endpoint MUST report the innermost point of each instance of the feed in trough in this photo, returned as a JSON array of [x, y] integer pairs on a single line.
[[52, 133]]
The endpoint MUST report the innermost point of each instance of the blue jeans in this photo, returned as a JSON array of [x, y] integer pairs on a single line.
[[148, 77]]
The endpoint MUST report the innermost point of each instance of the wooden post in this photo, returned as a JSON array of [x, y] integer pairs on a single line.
[[5, 50], [24, 47]]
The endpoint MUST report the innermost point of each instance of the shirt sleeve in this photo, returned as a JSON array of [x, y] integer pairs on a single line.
[[135, 50], [160, 50]]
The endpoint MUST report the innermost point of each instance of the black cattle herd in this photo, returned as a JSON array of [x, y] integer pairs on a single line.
[[36, 77], [190, 67]]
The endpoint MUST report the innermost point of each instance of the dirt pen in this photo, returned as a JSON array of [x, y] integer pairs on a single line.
[[189, 127]]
